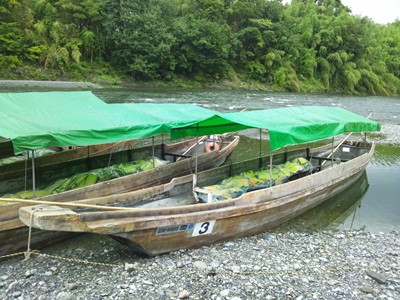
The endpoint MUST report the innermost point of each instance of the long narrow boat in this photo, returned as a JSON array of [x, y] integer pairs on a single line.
[[16, 171], [169, 217], [232, 201], [51, 155], [184, 157]]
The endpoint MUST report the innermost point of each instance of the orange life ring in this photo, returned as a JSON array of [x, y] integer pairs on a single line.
[[212, 146]]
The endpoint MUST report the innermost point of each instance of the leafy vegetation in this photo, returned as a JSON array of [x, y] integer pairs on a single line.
[[307, 45]]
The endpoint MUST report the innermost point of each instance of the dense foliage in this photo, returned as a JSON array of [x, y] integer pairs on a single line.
[[307, 45]]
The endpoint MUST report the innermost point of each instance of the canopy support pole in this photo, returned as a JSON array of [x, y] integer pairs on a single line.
[[26, 171], [365, 141], [197, 146], [153, 150], [109, 158], [333, 141], [195, 168], [270, 168], [260, 159], [33, 174]]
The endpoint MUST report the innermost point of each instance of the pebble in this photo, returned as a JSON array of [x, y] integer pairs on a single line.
[[184, 294], [200, 265], [65, 296], [378, 277]]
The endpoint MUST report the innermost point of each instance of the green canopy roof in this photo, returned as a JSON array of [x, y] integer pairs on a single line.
[[286, 126], [40, 119]]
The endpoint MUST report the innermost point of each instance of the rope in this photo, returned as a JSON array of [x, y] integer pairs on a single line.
[[28, 250], [82, 261], [11, 255]]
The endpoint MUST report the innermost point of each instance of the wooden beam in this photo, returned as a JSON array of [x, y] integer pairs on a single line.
[[68, 204]]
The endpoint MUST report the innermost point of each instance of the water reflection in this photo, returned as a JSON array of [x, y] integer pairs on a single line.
[[333, 213], [386, 156], [250, 146]]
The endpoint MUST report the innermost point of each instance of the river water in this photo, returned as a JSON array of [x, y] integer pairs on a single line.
[[372, 204]]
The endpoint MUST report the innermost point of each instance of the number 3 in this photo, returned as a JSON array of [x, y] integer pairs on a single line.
[[203, 228]]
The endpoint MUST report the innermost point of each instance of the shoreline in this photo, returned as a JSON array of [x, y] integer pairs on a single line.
[[391, 134], [48, 84]]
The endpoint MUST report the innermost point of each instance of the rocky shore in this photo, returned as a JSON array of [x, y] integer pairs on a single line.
[[273, 265], [390, 135], [48, 84]]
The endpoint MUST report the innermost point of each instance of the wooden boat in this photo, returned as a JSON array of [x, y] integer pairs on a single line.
[[52, 155], [16, 173], [168, 217], [183, 160]]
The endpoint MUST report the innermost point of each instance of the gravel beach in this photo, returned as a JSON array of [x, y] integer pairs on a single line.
[[273, 265], [390, 135], [278, 264]]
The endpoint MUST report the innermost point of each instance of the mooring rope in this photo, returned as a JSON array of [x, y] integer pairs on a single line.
[[28, 250]]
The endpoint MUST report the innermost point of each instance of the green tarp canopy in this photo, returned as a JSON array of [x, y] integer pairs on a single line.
[[286, 126], [39, 119]]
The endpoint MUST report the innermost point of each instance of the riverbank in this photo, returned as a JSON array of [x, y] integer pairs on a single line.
[[389, 135], [225, 84], [48, 84], [272, 265]]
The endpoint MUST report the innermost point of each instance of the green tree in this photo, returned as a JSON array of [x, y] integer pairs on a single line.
[[139, 38], [200, 49]]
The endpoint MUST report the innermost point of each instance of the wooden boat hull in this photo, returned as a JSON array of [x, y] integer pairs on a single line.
[[17, 175], [9, 218], [159, 228], [17, 239]]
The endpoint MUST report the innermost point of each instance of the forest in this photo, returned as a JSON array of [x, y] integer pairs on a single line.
[[303, 46]]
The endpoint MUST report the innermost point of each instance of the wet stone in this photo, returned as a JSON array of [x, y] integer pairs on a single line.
[[367, 289], [376, 276]]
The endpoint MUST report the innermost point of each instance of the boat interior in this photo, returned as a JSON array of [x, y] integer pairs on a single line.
[[17, 176], [180, 191]]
